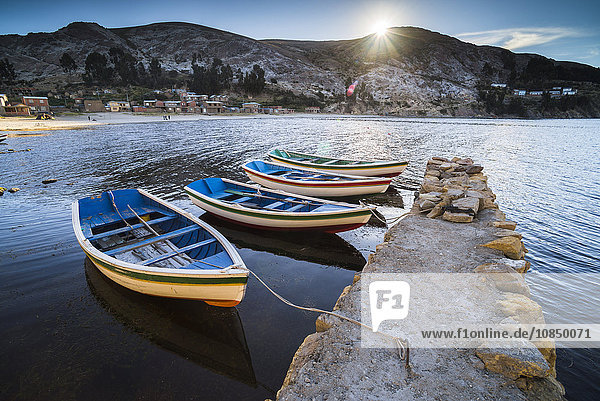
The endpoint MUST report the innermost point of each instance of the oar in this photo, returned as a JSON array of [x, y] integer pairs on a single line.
[[169, 244]]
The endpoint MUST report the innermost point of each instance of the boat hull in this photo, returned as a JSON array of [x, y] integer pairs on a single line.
[[328, 222], [227, 293], [321, 189], [391, 169]]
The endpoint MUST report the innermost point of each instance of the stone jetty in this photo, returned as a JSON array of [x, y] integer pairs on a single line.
[[455, 226]]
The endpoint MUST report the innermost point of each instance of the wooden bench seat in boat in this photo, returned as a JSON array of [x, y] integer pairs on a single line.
[[295, 208], [331, 161], [274, 205], [133, 226], [153, 240], [241, 200], [178, 252], [220, 195]]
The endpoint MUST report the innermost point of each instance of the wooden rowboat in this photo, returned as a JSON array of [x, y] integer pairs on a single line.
[[381, 168], [312, 183], [150, 246], [254, 206]]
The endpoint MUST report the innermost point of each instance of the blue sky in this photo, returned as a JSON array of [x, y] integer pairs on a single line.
[[563, 30]]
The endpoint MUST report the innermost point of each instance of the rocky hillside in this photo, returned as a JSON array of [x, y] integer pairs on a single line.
[[409, 71]]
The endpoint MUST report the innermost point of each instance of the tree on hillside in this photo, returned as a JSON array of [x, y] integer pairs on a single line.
[[97, 70], [155, 71], [67, 63], [7, 72], [538, 71], [254, 81], [211, 80], [141, 72], [125, 65]]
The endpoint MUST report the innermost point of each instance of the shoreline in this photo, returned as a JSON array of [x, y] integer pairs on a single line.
[[331, 361], [80, 121], [21, 125]]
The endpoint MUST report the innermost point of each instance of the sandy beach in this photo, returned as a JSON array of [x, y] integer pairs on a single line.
[[79, 121]]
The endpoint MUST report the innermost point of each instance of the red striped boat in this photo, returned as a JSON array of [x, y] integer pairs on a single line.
[[312, 183]]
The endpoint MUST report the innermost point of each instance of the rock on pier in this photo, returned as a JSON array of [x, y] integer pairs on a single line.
[[454, 226]]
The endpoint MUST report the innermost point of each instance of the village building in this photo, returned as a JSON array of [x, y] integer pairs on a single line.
[[496, 85], [175, 106], [213, 107], [93, 106], [195, 107], [151, 106], [119, 105], [519, 92], [569, 91], [37, 104], [535, 93], [192, 96], [220, 98], [313, 109], [150, 103], [555, 93], [250, 107], [16, 110]]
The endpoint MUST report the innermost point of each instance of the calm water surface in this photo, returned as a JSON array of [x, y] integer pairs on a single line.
[[68, 333]]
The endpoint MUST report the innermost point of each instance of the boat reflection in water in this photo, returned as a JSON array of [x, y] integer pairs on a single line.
[[211, 336], [314, 247]]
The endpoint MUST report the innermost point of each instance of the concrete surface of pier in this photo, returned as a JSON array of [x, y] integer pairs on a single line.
[[454, 226]]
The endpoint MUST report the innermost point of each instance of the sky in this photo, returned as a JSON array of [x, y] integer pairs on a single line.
[[563, 30]]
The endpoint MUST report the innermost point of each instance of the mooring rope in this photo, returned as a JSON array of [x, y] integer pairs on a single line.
[[402, 345], [385, 221]]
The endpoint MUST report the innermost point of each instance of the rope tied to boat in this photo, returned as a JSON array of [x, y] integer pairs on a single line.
[[401, 344], [387, 222]]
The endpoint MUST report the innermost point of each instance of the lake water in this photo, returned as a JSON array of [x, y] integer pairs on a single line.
[[68, 333]]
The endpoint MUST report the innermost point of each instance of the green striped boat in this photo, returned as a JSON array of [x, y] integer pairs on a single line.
[[390, 168], [255, 206]]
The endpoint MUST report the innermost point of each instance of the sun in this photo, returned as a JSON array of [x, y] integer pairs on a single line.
[[380, 28]]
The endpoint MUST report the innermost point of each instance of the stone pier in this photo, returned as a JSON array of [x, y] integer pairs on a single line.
[[454, 226]]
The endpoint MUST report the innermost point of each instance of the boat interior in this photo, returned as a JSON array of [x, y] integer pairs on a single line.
[[136, 229], [290, 173], [317, 159], [259, 199]]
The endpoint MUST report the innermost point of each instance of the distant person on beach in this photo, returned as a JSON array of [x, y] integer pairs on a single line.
[[89, 118]]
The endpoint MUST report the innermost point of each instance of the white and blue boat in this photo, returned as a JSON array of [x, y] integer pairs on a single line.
[[150, 246], [3, 137], [255, 206], [313, 183]]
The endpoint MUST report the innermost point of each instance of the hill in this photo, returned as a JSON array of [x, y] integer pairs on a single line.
[[409, 71]]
